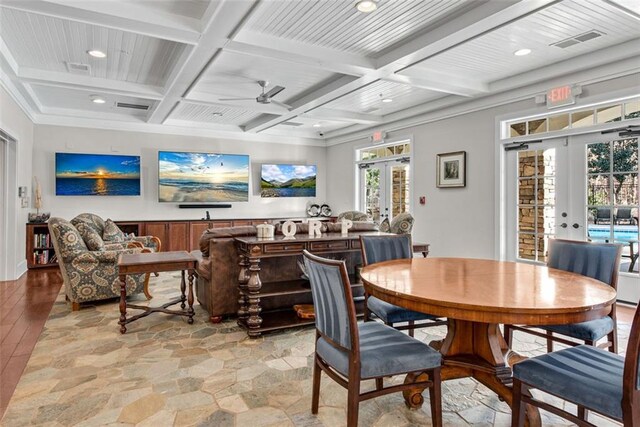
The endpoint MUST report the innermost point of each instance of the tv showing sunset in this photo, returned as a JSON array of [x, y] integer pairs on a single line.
[[97, 175]]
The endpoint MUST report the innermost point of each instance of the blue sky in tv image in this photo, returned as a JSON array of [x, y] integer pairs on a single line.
[[97, 175], [203, 177], [283, 173]]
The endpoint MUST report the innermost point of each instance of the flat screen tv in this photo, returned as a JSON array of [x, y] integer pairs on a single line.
[[97, 175], [202, 177], [288, 181]]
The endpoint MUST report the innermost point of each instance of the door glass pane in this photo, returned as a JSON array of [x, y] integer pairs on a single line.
[[625, 188], [612, 190], [609, 114], [625, 155], [537, 200], [527, 246], [598, 158], [399, 189], [517, 129], [581, 119], [372, 193], [559, 122], [598, 190], [632, 110], [537, 126]]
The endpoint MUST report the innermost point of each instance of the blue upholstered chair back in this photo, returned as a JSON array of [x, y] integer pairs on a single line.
[[331, 299], [596, 260], [385, 248]]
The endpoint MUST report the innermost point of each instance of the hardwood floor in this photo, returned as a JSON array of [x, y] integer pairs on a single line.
[[24, 307]]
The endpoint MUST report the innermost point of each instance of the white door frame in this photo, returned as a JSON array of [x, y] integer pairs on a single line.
[[8, 209]]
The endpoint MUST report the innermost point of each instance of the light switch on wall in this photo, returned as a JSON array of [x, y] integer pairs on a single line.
[[24, 202]]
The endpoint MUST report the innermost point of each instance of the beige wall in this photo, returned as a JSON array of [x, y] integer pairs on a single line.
[[52, 139], [457, 222], [16, 123]]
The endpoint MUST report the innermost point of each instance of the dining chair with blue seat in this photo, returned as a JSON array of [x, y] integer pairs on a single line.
[[593, 379], [349, 352], [599, 261], [386, 248]]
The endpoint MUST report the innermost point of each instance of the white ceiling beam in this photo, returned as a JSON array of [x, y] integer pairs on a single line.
[[474, 23], [264, 45], [478, 21], [439, 82], [97, 84], [205, 98], [88, 114], [223, 23], [122, 16], [342, 116]]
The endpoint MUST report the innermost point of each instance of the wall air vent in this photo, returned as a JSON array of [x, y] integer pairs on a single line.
[[580, 38], [132, 106], [78, 68], [294, 124]]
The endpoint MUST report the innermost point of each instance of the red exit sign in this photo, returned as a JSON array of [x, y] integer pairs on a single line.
[[562, 95]]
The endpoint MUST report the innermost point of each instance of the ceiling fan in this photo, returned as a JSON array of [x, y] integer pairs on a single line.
[[264, 98]]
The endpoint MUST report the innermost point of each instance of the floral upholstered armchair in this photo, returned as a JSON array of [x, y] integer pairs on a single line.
[[400, 224], [90, 275], [97, 233]]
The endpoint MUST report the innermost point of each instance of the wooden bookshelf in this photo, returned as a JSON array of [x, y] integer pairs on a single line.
[[40, 251]]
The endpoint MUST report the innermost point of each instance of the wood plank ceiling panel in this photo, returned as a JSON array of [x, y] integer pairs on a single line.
[[47, 43], [490, 57], [337, 24], [204, 113]]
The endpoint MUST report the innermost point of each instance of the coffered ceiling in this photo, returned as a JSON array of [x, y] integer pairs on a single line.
[[179, 64]]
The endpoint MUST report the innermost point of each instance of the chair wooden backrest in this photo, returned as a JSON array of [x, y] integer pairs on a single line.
[[333, 302], [599, 261], [631, 376], [384, 248]]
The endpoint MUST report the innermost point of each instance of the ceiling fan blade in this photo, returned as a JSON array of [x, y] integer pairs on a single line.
[[281, 104], [274, 91], [236, 99]]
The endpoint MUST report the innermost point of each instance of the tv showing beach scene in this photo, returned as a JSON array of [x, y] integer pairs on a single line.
[[202, 177], [288, 181], [97, 175]]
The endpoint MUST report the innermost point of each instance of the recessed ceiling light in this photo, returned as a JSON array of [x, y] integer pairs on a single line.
[[317, 125], [216, 114], [367, 6], [97, 53], [97, 99], [387, 100], [522, 52]]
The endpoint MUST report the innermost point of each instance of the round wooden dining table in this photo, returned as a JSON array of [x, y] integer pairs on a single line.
[[478, 295]]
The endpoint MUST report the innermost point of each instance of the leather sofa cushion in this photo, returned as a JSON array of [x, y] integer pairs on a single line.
[[224, 233], [336, 227]]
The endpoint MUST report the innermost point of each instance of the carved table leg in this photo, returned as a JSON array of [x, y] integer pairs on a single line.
[[183, 287], [243, 278], [190, 311], [253, 287], [123, 303], [478, 350]]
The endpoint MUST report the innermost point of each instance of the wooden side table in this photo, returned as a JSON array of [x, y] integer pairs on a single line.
[[151, 263]]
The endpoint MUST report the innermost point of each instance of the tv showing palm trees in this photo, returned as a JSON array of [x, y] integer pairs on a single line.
[[202, 177], [97, 175], [288, 181]]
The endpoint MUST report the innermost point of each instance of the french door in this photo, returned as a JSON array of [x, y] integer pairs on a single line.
[[582, 187], [385, 188]]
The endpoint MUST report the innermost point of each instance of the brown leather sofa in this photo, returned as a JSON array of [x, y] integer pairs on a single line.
[[218, 270]]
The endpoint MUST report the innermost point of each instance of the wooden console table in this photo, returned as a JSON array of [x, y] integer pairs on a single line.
[[151, 263], [252, 250]]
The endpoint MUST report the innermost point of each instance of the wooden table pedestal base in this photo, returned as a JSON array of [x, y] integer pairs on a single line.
[[478, 350]]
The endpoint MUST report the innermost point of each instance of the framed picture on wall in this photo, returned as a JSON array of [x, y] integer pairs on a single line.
[[451, 169]]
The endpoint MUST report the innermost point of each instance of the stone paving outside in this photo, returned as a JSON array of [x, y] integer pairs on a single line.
[[165, 372]]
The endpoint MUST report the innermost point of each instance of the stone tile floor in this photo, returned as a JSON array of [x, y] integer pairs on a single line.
[[165, 372]]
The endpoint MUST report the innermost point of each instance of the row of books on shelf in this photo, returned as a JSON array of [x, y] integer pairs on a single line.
[[44, 257], [41, 240]]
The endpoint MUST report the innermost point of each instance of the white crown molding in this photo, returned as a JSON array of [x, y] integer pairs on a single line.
[[187, 130], [444, 108]]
